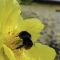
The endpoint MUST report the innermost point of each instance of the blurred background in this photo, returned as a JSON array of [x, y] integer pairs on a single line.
[[48, 11]]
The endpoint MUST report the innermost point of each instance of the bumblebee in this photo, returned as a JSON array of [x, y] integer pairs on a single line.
[[26, 40]]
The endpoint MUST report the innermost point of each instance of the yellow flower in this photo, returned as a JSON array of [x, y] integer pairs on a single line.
[[11, 24]]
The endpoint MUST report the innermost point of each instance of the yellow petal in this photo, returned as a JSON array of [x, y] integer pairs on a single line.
[[42, 51], [1, 39], [40, 58], [24, 57], [9, 53], [1, 13], [47, 53], [10, 11], [19, 21], [2, 55], [33, 26]]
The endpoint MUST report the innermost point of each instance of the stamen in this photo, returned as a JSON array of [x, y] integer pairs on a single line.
[[12, 41]]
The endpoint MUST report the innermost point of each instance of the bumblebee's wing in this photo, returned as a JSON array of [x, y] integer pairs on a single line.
[[41, 51], [19, 43], [32, 26]]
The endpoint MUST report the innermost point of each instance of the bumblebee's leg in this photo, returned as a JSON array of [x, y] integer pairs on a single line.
[[19, 47]]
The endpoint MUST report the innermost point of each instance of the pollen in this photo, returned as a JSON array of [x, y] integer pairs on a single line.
[[10, 41]]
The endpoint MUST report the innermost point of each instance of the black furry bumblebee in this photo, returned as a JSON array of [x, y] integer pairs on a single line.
[[27, 42]]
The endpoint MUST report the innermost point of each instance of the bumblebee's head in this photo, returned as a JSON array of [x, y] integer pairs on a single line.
[[24, 34]]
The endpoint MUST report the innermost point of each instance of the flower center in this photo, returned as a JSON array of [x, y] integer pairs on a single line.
[[10, 40]]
